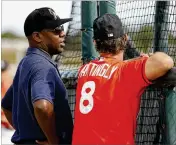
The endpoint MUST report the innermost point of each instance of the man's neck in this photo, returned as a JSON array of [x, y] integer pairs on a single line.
[[118, 57], [35, 46], [44, 51]]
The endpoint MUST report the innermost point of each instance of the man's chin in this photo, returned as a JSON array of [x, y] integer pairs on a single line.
[[62, 45], [60, 50]]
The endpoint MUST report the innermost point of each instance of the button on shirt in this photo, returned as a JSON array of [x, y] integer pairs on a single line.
[[37, 77]]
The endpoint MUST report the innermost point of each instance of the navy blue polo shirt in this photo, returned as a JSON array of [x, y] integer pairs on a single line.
[[37, 77]]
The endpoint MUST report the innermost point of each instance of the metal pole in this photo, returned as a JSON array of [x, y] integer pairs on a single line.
[[161, 26], [107, 7], [88, 14]]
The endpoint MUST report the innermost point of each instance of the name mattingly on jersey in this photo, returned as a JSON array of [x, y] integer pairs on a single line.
[[103, 70]]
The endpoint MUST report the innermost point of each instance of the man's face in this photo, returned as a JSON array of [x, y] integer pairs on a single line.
[[54, 40]]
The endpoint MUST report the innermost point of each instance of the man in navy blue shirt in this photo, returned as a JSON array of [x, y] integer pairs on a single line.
[[36, 104]]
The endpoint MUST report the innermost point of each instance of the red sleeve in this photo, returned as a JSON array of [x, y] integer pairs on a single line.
[[134, 72]]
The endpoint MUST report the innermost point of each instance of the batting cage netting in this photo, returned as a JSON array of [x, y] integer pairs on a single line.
[[138, 18], [70, 60]]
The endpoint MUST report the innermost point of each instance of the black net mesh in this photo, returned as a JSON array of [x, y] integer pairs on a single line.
[[138, 21], [148, 117], [70, 60]]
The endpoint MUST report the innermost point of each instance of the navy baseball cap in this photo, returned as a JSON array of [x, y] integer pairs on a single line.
[[42, 18], [107, 26]]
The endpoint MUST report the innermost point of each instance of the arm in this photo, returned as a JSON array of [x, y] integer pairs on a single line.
[[45, 116], [6, 105], [131, 51], [42, 96], [158, 65], [169, 79], [8, 116]]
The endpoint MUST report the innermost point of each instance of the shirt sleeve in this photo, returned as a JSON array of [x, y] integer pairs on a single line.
[[7, 101], [135, 72], [43, 85]]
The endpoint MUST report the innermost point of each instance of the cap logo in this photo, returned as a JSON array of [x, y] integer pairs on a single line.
[[52, 13], [110, 35]]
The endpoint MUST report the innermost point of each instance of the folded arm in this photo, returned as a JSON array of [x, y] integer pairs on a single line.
[[158, 65], [169, 79]]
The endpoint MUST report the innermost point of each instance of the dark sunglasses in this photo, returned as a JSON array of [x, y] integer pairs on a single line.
[[57, 30]]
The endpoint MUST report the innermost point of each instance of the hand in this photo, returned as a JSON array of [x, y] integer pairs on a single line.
[[42, 142], [146, 55]]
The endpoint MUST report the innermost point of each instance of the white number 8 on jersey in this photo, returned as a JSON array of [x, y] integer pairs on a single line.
[[87, 96]]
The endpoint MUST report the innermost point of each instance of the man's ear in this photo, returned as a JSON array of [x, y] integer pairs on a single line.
[[37, 36]]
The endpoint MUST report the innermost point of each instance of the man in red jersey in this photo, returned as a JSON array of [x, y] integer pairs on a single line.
[[109, 88]]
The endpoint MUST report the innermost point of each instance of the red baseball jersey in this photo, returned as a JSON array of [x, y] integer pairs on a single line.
[[108, 101]]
